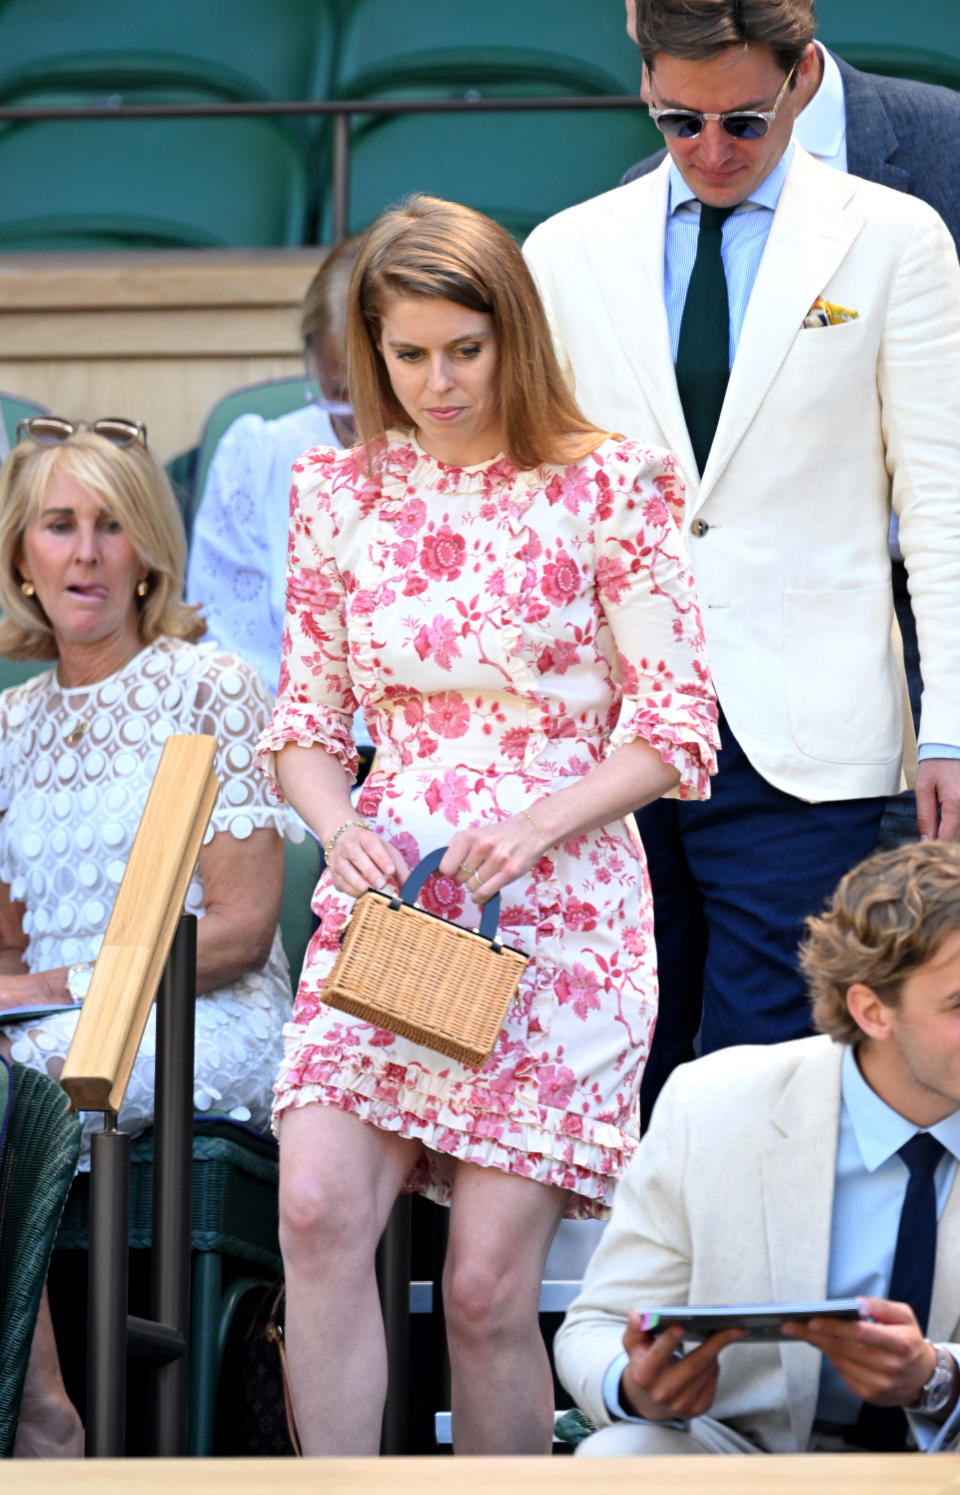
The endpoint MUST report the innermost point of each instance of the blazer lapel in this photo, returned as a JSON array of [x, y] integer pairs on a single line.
[[871, 138], [798, 1171], [634, 235], [812, 230]]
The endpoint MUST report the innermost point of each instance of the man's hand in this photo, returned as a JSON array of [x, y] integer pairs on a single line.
[[659, 1384], [938, 787], [887, 1362]]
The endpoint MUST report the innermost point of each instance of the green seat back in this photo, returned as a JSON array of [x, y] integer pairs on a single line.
[[518, 168], [231, 49], [14, 409], [39, 1158], [272, 398], [15, 671], [161, 184], [920, 40], [535, 46], [301, 870]]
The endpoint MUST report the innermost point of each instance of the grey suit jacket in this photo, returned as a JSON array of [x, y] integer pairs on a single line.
[[899, 133], [729, 1198]]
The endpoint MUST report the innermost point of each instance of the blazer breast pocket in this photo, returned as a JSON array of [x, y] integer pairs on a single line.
[[838, 341]]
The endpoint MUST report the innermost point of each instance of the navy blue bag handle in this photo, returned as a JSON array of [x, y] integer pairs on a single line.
[[411, 889]]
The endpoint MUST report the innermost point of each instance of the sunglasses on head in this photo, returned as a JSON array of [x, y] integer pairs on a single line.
[[742, 124], [50, 430]]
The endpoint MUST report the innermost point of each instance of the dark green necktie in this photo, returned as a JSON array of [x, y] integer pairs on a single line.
[[703, 352]]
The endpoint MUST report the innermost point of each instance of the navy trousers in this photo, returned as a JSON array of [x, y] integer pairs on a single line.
[[733, 879]]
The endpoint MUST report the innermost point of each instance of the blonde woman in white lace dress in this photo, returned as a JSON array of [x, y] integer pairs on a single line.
[[92, 556]]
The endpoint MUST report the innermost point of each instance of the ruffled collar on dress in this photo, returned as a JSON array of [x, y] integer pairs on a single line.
[[404, 469]]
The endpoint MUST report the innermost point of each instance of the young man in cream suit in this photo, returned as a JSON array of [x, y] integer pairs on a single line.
[[843, 299], [775, 1175]]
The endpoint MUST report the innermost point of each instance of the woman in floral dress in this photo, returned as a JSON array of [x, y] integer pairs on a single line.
[[502, 590]]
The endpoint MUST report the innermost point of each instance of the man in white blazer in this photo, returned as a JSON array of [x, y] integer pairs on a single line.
[[774, 1175], [843, 399]]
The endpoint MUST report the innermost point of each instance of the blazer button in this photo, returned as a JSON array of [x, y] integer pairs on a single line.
[[699, 527]]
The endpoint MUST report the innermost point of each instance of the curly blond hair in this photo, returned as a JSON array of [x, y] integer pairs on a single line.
[[888, 916]]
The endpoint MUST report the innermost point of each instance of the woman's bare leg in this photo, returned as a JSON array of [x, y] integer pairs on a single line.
[[49, 1425], [501, 1227], [339, 1178]]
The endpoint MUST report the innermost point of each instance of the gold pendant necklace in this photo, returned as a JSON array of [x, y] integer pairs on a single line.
[[77, 733]]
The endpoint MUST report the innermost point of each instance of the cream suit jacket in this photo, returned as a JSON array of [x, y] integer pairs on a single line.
[[820, 431], [728, 1199]]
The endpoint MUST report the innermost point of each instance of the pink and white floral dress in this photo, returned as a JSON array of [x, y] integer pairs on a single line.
[[502, 631]]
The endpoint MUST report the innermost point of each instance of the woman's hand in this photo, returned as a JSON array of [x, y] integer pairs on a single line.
[[34, 989], [486, 858], [361, 859]]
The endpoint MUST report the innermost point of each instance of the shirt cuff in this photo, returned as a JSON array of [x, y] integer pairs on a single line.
[[933, 1436], [611, 1395], [937, 750]]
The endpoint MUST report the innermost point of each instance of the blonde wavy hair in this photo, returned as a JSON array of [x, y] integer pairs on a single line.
[[888, 916], [133, 486]]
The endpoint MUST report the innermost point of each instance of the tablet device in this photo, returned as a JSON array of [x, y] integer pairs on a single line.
[[35, 1014], [758, 1320]]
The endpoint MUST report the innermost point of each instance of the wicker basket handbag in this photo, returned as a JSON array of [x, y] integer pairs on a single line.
[[422, 977]]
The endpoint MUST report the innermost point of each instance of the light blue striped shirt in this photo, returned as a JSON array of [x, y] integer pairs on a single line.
[[745, 235]]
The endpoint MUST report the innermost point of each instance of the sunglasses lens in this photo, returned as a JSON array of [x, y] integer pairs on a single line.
[[48, 430], [680, 125], [120, 432], [745, 126]]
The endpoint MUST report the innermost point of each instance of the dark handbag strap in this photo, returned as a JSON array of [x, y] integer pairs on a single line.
[[411, 889]]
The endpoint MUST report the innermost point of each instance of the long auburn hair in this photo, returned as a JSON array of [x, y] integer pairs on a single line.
[[428, 247]]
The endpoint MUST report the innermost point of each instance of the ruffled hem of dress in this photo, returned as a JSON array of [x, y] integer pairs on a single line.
[[587, 1165], [685, 736], [304, 726]]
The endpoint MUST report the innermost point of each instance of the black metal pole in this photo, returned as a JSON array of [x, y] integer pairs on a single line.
[[106, 1404], [340, 188], [172, 1167], [393, 1280]]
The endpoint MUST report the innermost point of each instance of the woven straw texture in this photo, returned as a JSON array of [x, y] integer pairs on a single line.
[[40, 1155], [423, 978]]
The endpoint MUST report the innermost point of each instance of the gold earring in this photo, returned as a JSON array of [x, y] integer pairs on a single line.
[[27, 588], [142, 588]]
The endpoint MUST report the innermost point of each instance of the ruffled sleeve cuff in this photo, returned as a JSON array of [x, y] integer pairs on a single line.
[[684, 733], [305, 726]]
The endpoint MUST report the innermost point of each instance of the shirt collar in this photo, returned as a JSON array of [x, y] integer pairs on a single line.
[[821, 127], [879, 1129], [766, 195]]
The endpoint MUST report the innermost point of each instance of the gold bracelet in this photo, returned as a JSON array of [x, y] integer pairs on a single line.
[[539, 832], [341, 830]]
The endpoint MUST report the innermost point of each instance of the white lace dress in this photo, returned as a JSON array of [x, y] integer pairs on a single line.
[[69, 818]]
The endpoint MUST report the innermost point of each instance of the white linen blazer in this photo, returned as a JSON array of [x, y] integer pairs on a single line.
[[729, 1199], [821, 430]]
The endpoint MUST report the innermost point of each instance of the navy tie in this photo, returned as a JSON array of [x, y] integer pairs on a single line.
[[703, 349], [911, 1281]]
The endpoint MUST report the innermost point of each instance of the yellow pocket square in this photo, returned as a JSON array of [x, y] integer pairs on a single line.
[[828, 314]]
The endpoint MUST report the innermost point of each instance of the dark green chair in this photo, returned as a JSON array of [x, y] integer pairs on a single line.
[[248, 49], [919, 41], [151, 184], [14, 409], [536, 46], [39, 1157], [518, 168], [271, 398]]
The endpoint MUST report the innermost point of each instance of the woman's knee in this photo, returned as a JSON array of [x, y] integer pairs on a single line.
[[481, 1302], [323, 1216]]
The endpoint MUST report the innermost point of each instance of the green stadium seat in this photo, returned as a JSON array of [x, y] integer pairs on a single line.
[[229, 49], [536, 46], [13, 410], [518, 168], [919, 41], [151, 184], [272, 398]]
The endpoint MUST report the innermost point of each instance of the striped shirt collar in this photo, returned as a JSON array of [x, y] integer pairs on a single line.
[[766, 195]]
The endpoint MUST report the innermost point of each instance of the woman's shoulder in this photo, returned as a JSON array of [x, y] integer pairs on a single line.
[[622, 472], [17, 700]]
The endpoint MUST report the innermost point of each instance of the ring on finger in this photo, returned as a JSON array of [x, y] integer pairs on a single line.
[[476, 874], [464, 868]]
